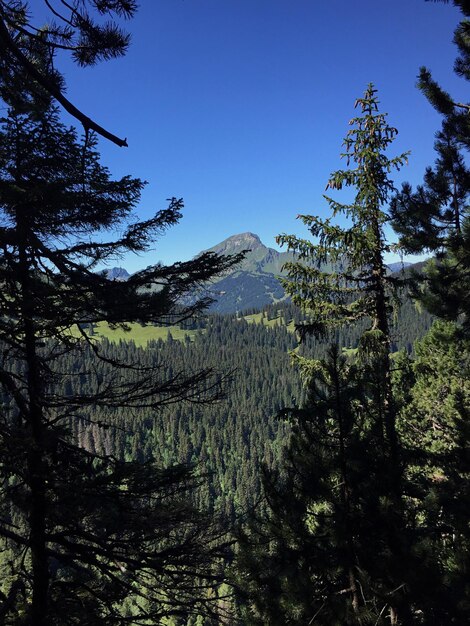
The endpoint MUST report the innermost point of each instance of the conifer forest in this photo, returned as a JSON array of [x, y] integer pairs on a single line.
[[306, 462]]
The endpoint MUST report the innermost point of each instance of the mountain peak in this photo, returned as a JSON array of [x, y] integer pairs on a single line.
[[117, 273], [237, 243], [244, 238]]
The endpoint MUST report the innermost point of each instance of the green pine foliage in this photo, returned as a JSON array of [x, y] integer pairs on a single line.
[[434, 426], [339, 549], [354, 287], [434, 218], [76, 28], [230, 439], [435, 400], [122, 466], [304, 562]]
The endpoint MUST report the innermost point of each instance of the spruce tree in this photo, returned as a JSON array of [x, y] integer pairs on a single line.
[[434, 219], [301, 562], [91, 539], [341, 276], [336, 547], [435, 424]]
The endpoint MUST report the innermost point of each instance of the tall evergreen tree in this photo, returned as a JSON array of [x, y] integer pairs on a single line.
[[341, 277], [305, 562], [435, 219], [435, 428], [85, 531], [336, 539]]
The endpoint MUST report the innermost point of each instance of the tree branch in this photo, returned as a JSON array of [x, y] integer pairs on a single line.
[[88, 124]]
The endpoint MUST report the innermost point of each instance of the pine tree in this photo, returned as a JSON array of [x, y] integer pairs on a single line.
[[78, 28], [434, 427], [87, 531], [301, 561], [434, 218], [341, 278]]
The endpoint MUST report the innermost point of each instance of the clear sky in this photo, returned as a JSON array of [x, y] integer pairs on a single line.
[[240, 106]]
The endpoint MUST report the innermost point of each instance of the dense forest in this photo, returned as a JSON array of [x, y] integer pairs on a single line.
[[230, 439], [306, 463]]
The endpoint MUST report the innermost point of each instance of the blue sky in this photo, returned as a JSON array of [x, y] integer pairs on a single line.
[[240, 106]]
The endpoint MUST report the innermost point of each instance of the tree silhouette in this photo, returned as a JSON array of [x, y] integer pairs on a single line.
[[434, 218], [87, 531], [335, 547]]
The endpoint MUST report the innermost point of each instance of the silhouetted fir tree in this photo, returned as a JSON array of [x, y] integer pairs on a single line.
[[434, 421], [343, 494], [87, 530], [287, 557], [434, 427], [358, 285]]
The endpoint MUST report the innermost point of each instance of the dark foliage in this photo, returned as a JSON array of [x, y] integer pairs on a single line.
[[434, 218], [88, 30], [86, 531]]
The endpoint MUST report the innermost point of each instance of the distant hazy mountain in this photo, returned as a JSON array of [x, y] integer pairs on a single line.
[[254, 282], [259, 258], [398, 266]]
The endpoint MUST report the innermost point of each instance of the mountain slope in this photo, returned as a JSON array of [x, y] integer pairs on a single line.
[[259, 258], [254, 282], [117, 273]]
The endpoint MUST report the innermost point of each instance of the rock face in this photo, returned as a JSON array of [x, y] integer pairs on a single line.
[[259, 258], [236, 243], [117, 273]]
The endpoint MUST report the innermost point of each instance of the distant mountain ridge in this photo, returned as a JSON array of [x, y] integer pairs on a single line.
[[117, 273], [252, 284], [259, 258], [399, 266]]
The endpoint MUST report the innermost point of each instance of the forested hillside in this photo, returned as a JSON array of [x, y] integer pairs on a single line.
[[231, 439]]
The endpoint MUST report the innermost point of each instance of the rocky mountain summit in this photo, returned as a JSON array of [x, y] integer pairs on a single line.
[[259, 258], [254, 282], [117, 273], [237, 243]]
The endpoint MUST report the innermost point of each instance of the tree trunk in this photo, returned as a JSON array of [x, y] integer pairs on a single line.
[[35, 423], [345, 491]]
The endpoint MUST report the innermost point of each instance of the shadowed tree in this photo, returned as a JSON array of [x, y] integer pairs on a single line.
[[305, 562], [341, 276], [434, 218], [86, 532]]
